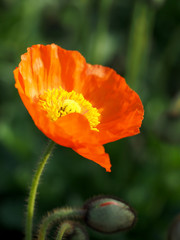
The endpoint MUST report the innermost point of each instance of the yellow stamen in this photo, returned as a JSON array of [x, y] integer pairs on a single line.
[[58, 103]]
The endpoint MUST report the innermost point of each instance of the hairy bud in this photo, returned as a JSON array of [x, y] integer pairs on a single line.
[[108, 214]]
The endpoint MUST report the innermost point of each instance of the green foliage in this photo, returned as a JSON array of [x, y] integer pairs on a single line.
[[140, 40]]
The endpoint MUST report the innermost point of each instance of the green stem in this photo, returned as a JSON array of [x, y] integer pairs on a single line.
[[59, 214], [65, 227], [33, 190]]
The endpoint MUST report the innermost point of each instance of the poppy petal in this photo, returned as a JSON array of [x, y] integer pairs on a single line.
[[97, 154], [46, 67], [120, 107]]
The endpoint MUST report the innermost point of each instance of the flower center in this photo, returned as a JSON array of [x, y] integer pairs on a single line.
[[69, 106], [58, 103]]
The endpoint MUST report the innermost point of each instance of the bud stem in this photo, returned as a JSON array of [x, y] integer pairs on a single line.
[[59, 214], [65, 227], [33, 190]]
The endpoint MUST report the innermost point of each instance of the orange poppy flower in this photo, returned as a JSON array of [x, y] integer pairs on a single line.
[[76, 104]]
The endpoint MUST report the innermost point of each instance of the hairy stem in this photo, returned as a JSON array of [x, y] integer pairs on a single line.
[[59, 215], [66, 227], [33, 190]]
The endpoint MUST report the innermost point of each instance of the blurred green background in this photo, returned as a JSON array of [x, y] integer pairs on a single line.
[[141, 41]]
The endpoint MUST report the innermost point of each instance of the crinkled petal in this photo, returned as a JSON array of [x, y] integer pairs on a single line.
[[47, 67], [120, 107], [95, 153]]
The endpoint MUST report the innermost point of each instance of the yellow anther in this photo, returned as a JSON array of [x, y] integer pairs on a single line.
[[58, 103], [70, 106]]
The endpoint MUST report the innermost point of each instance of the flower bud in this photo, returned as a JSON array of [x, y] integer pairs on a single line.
[[108, 215]]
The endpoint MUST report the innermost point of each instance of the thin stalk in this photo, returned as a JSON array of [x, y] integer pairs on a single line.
[[59, 215], [33, 190], [65, 227]]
